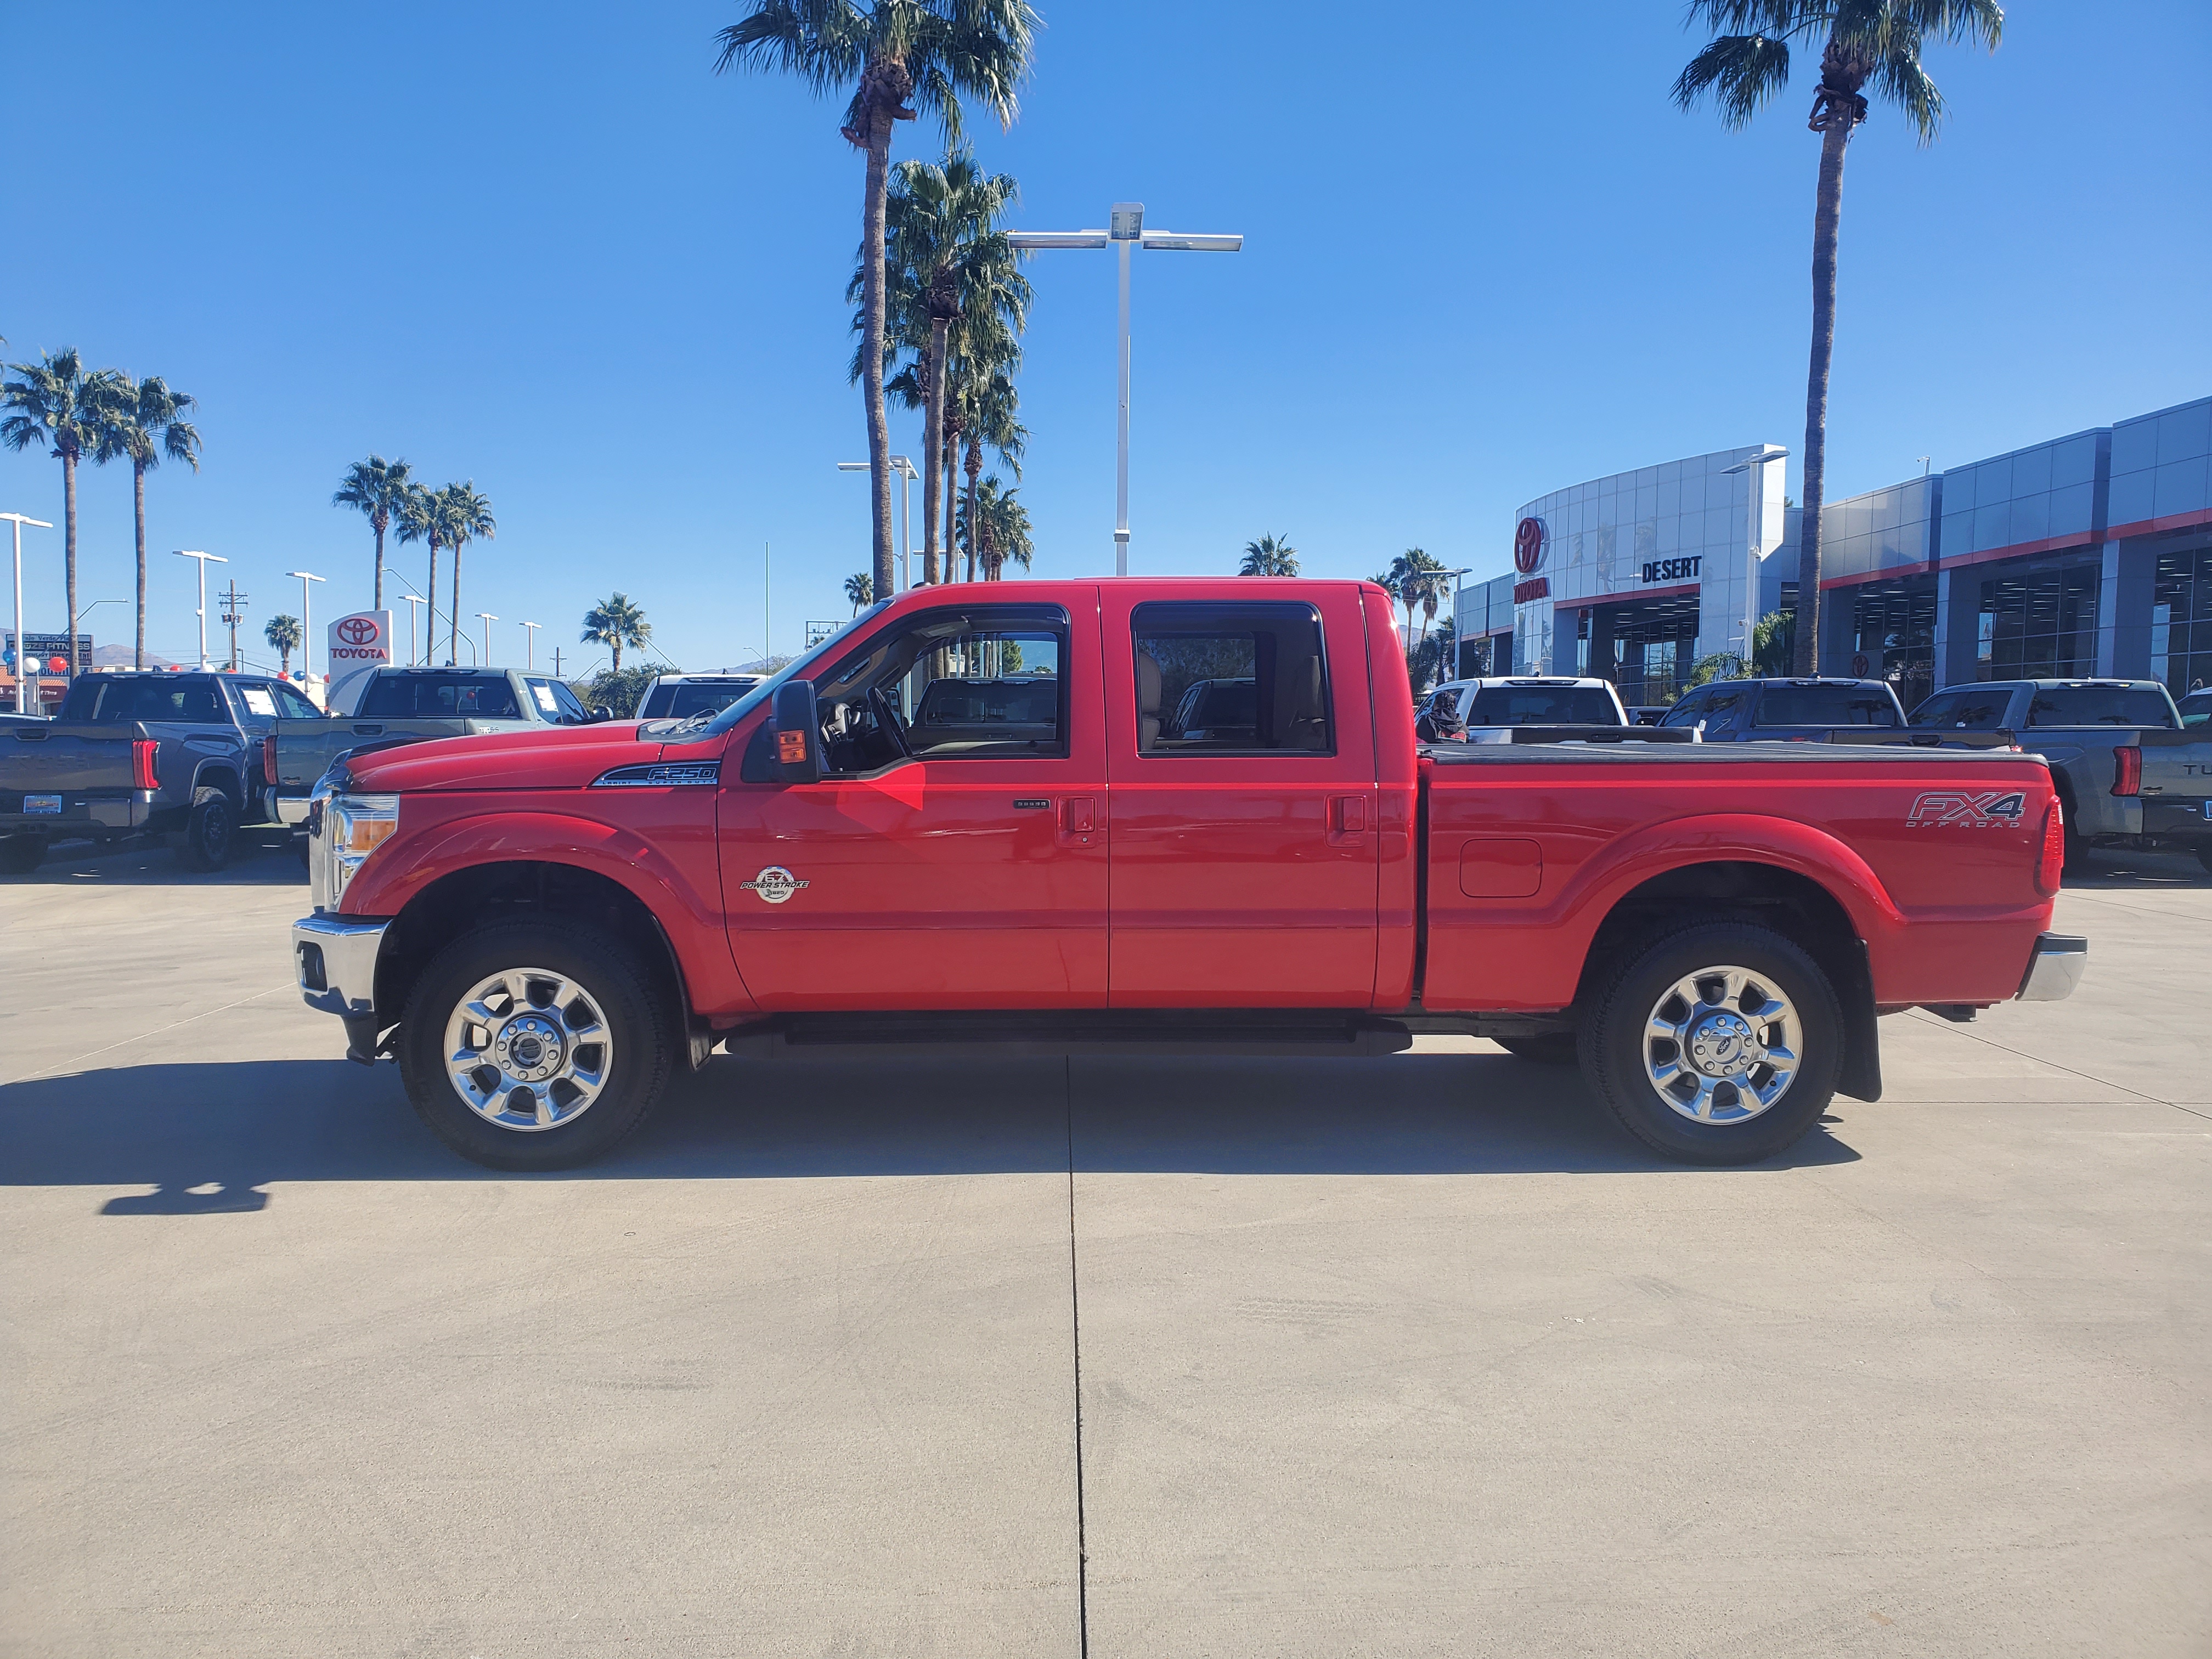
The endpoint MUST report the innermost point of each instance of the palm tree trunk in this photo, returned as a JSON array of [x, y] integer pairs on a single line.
[[1827, 209], [138, 504], [975, 472], [951, 468], [933, 441], [453, 618], [68, 557], [430, 630], [379, 529], [872, 345]]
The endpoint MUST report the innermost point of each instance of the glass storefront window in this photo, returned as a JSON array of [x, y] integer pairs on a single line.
[[2039, 625], [2181, 621], [1893, 628]]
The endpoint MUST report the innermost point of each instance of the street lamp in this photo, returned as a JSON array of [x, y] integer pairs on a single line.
[[307, 620], [23, 657], [488, 619], [1125, 231], [415, 601], [531, 636], [202, 612], [905, 469]]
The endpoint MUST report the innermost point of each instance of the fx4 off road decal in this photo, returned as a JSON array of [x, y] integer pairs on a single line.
[[1964, 809]]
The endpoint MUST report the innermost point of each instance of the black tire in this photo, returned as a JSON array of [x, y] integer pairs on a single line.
[[21, 854], [1614, 1039], [644, 1031], [209, 829], [1554, 1048]]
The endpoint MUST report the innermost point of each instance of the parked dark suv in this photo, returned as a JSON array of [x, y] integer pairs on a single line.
[[1787, 710]]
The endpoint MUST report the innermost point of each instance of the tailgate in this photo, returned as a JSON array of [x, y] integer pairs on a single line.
[[74, 759], [2177, 768]]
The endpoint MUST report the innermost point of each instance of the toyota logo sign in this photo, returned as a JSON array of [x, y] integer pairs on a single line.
[[356, 630], [1528, 546]]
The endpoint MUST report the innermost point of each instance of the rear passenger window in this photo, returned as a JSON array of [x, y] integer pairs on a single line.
[[1224, 678], [2099, 705], [1826, 705], [1963, 711]]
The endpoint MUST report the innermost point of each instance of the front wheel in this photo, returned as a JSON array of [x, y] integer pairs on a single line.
[[534, 1046], [1718, 1044]]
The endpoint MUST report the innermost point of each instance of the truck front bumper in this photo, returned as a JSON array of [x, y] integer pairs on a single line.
[[2055, 968], [335, 960], [288, 809]]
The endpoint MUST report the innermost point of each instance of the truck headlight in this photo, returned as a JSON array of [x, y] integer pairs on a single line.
[[353, 827]]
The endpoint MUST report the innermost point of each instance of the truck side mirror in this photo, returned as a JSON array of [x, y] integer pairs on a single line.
[[602, 714], [797, 734]]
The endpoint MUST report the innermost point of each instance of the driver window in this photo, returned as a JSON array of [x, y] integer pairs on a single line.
[[971, 683]]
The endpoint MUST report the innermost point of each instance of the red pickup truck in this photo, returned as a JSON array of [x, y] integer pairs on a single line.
[[539, 926]]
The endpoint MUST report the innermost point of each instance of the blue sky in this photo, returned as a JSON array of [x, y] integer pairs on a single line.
[[544, 249]]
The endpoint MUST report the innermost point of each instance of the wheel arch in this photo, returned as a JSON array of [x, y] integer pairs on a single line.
[[1769, 894]]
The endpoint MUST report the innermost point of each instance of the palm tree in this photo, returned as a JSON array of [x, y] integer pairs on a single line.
[[467, 517], [1271, 556], [146, 421], [1414, 577], [421, 519], [945, 259], [859, 588], [615, 621], [58, 403], [994, 528], [379, 489], [282, 634], [990, 402], [1867, 42], [934, 53]]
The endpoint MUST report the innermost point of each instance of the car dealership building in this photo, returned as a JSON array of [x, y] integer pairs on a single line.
[[2088, 554]]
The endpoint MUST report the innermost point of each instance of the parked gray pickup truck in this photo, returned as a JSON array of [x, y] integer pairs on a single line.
[[134, 754], [2129, 774], [413, 705]]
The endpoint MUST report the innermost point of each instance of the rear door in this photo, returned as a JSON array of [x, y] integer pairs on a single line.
[[1245, 858], [937, 867]]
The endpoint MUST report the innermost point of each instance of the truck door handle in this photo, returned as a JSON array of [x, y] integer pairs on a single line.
[[1076, 815], [1347, 815], [367, 731]]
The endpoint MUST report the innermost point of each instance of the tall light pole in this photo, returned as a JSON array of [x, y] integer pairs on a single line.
[[531, 636], [202, 612], [23, 657], [488, 619], [1125, 232], [306, 620], [905, 469], [1754, 510]]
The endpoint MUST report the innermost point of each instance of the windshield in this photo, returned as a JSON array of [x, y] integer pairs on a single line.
[[2197, 708], [702, 726], [683, 698], [1543, 705]]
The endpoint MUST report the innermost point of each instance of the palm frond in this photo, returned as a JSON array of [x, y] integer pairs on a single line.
[[1739, 71]]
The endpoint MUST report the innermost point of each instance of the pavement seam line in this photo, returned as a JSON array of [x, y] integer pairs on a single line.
[[1953, 1026], [205, 1013], [1075, 1332]]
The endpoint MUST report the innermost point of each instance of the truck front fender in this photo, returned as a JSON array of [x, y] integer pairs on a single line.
[[687, 910]]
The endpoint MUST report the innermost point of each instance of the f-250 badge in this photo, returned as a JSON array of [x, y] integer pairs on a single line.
[[1965, 810], [774, 884]]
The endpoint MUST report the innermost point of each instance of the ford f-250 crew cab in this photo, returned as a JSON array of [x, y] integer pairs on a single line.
[[539, 926]]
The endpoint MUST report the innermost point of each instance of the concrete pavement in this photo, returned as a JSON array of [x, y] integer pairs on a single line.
[[1404, 1356]]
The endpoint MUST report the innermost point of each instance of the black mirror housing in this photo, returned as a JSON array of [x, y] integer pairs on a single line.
[[602, 714], [798, 733]]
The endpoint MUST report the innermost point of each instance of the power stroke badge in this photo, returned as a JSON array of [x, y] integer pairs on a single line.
[[775, 884]]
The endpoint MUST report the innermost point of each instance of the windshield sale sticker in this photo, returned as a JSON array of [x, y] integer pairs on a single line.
[[544, 695]]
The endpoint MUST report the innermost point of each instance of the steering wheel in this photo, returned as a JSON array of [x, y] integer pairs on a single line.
[[888, 721]]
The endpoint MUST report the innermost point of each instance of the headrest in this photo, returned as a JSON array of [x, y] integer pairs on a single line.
[[1148, 684]]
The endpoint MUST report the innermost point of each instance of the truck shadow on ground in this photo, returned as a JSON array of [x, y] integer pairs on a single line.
[[209, 1139], [147, 864]]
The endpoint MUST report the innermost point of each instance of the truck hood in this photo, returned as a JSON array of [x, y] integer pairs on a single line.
[[548, 757]]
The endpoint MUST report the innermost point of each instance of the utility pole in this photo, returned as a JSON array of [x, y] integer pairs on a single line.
[[556, 661], [234, 612]]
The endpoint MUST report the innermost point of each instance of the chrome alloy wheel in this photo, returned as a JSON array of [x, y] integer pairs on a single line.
[[1721, 1045], [528, 1049]]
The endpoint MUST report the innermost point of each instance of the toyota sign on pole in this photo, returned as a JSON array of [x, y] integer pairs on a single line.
[[359, 644]]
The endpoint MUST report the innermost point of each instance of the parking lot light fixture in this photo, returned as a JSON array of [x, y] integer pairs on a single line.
[[307, 620], [415, 602], [531, 648], [488, 619], [905, 469], [22, 657], [202, 612], [1125, 230]]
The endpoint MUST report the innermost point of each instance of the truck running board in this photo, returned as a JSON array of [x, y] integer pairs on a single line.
[[1222, 1031]]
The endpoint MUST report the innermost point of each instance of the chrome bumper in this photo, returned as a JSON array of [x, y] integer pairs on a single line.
[[335, 959], [290, 809], [2054, 969]]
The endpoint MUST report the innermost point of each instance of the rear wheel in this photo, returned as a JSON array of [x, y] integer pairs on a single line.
[[21, 854], [1719, 1043], [1554, 1048], [209, 830], [534, 1046]]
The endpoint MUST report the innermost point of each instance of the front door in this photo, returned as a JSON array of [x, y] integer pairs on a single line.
[[1242, 759], [954, 853]]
